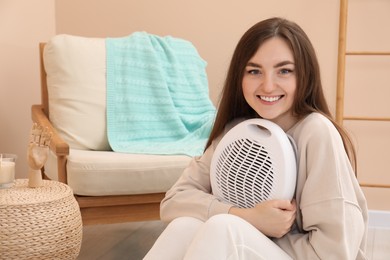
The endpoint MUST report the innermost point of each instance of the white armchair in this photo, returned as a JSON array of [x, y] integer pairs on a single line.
[[109, 186]]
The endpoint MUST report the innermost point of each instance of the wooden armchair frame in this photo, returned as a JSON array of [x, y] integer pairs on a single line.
[[94, 209]]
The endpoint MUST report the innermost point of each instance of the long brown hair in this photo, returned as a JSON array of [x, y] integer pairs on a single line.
[[309, 96]]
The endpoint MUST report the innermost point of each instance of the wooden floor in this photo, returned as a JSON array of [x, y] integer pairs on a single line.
[[131, 241]]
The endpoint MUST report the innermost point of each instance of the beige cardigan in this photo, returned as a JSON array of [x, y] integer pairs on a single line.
[[331, 218]]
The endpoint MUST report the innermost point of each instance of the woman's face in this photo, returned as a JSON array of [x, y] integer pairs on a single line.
[[269, 82]]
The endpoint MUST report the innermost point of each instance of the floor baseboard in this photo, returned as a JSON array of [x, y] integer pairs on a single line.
[[378, 219]]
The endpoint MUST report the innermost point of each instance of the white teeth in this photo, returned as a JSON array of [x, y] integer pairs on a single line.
[[270, 99]]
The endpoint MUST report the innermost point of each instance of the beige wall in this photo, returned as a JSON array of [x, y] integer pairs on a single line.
[[22, 25], [214, 27]]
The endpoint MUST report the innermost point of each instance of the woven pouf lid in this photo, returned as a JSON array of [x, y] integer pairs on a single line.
[[39, 223]]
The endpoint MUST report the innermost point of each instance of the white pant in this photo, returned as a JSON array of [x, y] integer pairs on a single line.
[[221, 237]]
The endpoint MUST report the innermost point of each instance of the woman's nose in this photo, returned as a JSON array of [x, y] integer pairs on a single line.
[[268, 83]]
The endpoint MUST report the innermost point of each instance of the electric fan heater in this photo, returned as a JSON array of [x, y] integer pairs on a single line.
[[255, 161]]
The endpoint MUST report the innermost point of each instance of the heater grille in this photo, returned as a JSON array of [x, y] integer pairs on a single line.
[[245, 173]]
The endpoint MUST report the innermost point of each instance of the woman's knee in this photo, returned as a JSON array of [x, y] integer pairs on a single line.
[[224, 219], [185, 223], [186, 220], [223, 223]]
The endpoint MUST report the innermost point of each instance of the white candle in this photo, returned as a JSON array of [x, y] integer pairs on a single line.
[[7, 172]]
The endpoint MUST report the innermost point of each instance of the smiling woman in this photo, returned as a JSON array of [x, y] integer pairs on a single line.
[[274, 74]]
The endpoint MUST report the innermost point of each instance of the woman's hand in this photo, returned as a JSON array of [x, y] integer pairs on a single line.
[[273, 218]]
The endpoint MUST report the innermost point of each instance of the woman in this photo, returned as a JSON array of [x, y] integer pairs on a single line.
[[274, 74]]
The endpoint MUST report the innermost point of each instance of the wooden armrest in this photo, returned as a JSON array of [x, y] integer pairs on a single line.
[[57, 145]]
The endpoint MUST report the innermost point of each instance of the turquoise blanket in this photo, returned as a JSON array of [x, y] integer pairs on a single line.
[[157, 96]]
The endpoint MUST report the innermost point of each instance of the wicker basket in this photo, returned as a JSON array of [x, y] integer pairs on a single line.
[[39, 223]]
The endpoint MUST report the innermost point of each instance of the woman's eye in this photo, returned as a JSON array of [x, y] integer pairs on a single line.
[[253, 72], [286, 71]]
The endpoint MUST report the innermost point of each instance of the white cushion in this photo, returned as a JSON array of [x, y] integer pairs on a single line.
[[76, 79], [93, 173]]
